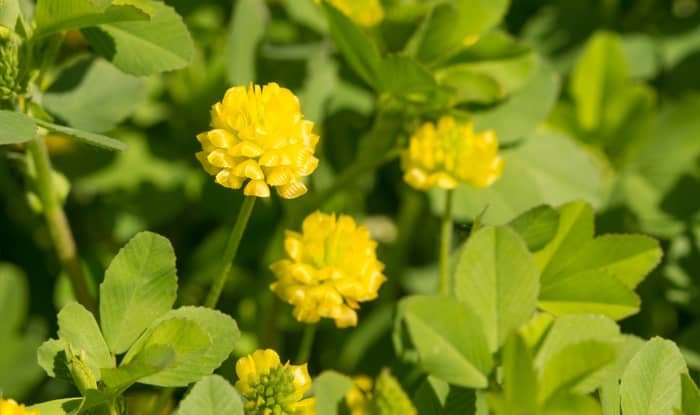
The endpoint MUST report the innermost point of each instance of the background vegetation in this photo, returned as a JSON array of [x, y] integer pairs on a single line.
[[594, 99]]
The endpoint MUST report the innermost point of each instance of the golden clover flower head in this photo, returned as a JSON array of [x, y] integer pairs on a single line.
[[271, 387], [382, 397], [331, 267], [450, 153], [365, 13], [259, 138], [10, 407]]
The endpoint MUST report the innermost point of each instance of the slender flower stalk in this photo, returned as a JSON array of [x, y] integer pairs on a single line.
[[259, 139], [446, 244], [234, 241], [444, 155], [307, 343]]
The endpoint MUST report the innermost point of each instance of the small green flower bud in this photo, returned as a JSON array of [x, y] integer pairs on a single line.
[[12, 80], [80, 372]]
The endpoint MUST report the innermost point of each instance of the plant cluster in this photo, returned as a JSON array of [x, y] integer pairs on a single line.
[[480, 207]]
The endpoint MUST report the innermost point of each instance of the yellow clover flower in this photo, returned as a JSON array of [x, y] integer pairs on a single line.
[[450, 153], [365, 13], [259, 136], [10, 407], [273, 388], [332, 267]]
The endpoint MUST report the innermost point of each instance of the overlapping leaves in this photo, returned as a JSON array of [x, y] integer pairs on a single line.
[[163, 347]]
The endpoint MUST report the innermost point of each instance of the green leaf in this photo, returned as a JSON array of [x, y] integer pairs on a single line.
[[307, 13], [690, 395], [140, 285], [435, 396], [642, 51], [15, 127], [19, 371], [68, 406], [149, 362], [537, 226], [78, 328], [13, 299], [57, 15], [219, 327], [407, 79], [93, 139], [130, 170], [610, 389], [600, 71], [566, 404], [359, 50], [629, 258], [535, 173], [573, 329], [596, 275], [330, 389], [589, 292], [51, 356], [575, 229], [247, 29], [671, 149], [93, 95], [212, 395], [185, 337], [145, 47], [449, 339], [496, 62], [535, 329], [572, 365], [497, 278], [519, 377], [9, 12], [519, 115], [651, 384], [453, 23]]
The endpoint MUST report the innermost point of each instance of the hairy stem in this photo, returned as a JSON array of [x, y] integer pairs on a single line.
[[57, 222]]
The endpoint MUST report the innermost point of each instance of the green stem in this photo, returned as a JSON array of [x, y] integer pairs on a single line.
[[57, 222], [446, 244], [230, 253], [307, 343]]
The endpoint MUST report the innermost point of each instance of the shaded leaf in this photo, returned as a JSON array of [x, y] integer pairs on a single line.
[[537, 226], [94, 95], [145, 47], [16, 127], [330, 389], [247, 29], [357, 48]]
